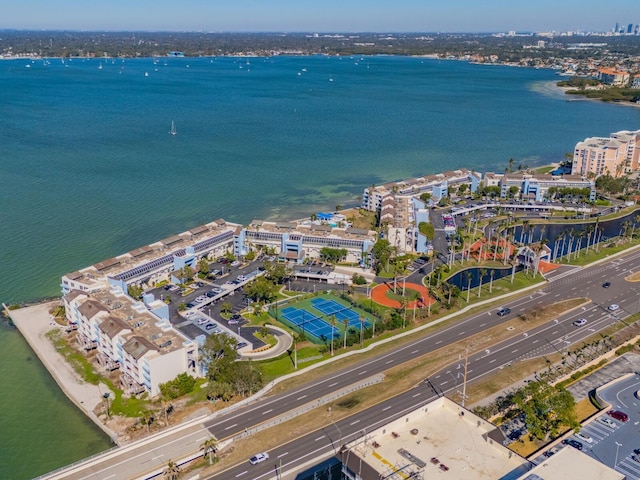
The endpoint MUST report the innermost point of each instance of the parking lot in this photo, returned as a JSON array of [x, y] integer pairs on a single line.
[[609, 440]]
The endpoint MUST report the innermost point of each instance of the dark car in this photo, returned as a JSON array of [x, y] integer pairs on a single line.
[[606, 284], [618, 415], [504, 311], [573, 443], [191, 304]]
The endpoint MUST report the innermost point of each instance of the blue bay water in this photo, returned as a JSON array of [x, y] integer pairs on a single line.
[[90, 171]]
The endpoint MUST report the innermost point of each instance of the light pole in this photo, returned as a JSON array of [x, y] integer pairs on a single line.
[[618, 445], [106, 397]]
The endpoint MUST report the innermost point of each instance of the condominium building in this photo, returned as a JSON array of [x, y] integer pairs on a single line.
[[612, 76], [615, 155], [437, 185], [295, 241], [131, 337], [536, 187]]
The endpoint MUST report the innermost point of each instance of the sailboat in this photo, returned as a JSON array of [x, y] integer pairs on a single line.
[[173, 130]]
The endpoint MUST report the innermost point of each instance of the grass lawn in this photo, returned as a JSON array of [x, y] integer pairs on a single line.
[[604, 252]]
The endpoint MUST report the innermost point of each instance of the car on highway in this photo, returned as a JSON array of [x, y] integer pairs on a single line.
[[607, 421], [504, 311], [613, 307], [618, 415], [606, 284], [573, 443], [581, 322], [258, 458], [584, 437]]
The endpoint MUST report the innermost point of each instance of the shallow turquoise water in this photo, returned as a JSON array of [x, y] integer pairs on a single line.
[[89, 170]]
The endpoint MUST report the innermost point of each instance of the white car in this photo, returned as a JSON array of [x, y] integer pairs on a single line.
[[259, 457], [584, 437], [580, 322], [613, 307], [607, 421]]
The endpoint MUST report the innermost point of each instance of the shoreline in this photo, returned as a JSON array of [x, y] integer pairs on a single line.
[[34, 322]]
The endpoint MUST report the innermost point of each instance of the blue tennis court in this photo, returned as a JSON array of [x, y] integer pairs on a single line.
[[331, 307], [309, 323]]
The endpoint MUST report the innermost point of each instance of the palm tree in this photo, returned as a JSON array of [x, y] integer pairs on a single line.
[[511, 162], [467, 274], [361, 318], [172, 472], [403, 306], [333, 326], [482, 272], [345, 322], [210, 446], [491, 274]]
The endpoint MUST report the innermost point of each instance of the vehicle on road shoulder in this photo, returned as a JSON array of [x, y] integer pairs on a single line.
[[258, 458]]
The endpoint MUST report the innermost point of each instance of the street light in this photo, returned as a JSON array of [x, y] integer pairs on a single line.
[[618, 445], [106, 397]]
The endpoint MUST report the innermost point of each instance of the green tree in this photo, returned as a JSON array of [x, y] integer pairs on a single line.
[[210, 447], [179, 386], [547, 409], [187, 272], [217, 354], [203, 266], [172, 472], [425, 197], [226, 307], [382, 252], [427, 229], [278, 272], [135, 291], [261, 290]]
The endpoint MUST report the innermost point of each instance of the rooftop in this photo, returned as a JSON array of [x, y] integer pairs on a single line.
[[441, 438], [568, 464]]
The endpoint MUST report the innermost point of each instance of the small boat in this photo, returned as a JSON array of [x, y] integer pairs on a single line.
[[173, 130]]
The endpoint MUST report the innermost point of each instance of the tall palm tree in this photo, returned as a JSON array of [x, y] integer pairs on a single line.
[[345, 322], [403, 306], [333, 326], [482, 272], [210, 447], [491, 274], [467, 274], [556, 244], [361, 318], [172, 472]]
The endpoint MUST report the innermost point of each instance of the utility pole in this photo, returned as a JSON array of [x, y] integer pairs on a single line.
[[464, 382]]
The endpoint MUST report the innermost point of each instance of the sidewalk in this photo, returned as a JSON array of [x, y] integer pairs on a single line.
[[33, 323]]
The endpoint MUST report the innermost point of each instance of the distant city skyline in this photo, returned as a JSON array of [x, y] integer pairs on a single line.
[[320, 16]]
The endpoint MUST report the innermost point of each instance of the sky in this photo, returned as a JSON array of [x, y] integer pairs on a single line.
[[319, 15]]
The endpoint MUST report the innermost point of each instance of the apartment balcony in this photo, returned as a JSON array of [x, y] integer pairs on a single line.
[[130, 385]]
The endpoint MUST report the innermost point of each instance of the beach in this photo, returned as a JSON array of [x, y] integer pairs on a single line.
[[34, 322]]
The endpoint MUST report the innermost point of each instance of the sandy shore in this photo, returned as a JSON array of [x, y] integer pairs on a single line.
[[34, 322]]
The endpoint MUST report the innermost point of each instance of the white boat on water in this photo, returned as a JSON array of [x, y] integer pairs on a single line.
[[173, 130]]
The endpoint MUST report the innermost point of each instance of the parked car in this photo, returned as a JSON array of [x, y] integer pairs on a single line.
[[613, 307], [233, 321], [504, 311], [618, 415], [235, 263], [211, 326], [581, 322], [607, 421], [606, 284], [583, 436], [241, 345], [258, 458], [573, 443]]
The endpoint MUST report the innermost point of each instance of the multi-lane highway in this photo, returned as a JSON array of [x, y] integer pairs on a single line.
[[544, 339], [538, 341]]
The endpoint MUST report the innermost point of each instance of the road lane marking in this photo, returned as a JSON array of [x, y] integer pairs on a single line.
[[362, 372], [491, 361], [234, 425], [333, 384], [535, 341], [388, 362], [159, 456], [319, 438], [414, 352], [267, 411], [416, 395], [240, 474], [386, 408], [514, 351], [353, 423], [282, 454], [300, 398], [438, 342]]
